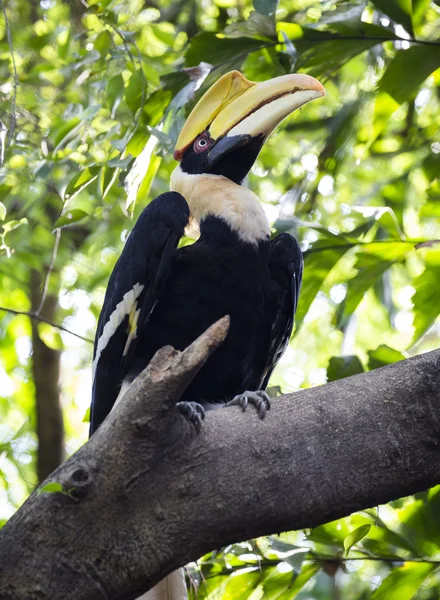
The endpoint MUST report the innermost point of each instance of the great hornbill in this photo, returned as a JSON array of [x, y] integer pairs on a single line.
[[159, 294]]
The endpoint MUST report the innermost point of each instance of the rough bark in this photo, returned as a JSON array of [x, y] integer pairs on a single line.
[[147, 494], [46, 375]]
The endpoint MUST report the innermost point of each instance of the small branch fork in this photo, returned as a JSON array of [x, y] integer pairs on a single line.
[[147, 494]]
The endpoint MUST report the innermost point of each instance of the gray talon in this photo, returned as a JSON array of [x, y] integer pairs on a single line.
[[193, 412], [260, 399]]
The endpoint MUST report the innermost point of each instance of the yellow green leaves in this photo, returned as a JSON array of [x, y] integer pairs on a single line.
[[403, 582]]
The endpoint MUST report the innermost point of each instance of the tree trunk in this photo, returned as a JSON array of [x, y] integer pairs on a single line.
[[46, 374], [146, 494]]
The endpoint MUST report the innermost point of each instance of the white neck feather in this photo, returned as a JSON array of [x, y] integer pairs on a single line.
[[219, 196]]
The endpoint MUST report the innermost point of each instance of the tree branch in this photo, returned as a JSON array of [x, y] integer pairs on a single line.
[[33, 315], [147, 494]]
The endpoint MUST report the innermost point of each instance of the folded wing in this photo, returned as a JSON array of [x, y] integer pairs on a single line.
[[133, 291]]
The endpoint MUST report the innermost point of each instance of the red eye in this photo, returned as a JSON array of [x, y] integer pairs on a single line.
[[201, 144]]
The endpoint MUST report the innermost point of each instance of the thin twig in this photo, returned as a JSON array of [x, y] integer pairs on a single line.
[[14, 67], [49, 271], [130, 54], [268, 562], [414, 242], [37, 317]]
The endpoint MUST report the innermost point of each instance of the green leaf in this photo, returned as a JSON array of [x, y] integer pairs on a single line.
[[355, 536], [372, 262], [115, 91], [86, 417], [281, 546], [266, 7], [340, 367], [419, 9], [208, 47], [296, 559], [383, 355], [418, 60], [103, 43], [120, 163], [284, 586], [241, 585], [426, 305], [319, 261], [343, 19], [51, 488], [25, 427], [66, 131], [398, 10], [70, 217], [369, 271], [80, 181], [14, 224], [50, 336], [2, 211], [326, 57], [403, 582], [134, 90], [256, 25], [330, 534]]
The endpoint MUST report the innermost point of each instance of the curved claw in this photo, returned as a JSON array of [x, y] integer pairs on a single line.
[[260, 399], [193, 412]]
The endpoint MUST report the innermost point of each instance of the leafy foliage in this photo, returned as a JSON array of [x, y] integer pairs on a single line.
[[93, 97]]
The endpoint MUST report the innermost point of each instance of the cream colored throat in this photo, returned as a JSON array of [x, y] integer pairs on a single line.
[[220, 197]]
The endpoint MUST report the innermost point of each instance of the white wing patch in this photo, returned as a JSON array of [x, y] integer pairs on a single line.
[[133, 319], [123, 308]]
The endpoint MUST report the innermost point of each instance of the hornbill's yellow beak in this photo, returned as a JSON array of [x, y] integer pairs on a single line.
[[236, 112]]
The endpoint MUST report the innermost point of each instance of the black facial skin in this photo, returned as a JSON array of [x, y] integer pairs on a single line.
[[231, 157]]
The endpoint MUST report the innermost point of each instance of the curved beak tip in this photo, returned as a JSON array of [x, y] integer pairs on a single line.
[[315, 85], [320, 89]]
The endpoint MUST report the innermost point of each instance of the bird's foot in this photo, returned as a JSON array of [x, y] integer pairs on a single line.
[[260, 399], [193, 412]]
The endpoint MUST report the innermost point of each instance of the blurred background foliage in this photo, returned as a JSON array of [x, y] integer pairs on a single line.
[[92, 96]]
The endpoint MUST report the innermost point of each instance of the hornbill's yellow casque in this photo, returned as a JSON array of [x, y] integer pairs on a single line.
[[159, 294]]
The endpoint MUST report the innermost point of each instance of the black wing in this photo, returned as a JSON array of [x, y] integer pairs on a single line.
[[133, 290], [286, 267]]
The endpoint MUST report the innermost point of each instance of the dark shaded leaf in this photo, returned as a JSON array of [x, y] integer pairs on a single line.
[[398, 10], [217, 50], [256, 25], [266, 7], [343, 366]]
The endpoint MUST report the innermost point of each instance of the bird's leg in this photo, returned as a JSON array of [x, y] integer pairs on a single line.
[[193, 412], [260, 399]]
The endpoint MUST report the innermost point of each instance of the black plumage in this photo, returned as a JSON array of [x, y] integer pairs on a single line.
[[189, 288]]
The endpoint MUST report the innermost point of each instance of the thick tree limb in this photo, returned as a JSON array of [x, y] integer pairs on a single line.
[[147, 494]]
